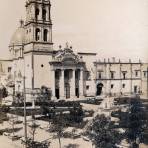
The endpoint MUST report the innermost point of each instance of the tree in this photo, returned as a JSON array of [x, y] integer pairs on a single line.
[[33, 128], [58, 126], [135, 122], [76, 114], [102, 134], [31, 143], [3, 92], [12, 123]]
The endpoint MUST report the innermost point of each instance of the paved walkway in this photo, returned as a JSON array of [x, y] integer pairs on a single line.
[[5, 142]]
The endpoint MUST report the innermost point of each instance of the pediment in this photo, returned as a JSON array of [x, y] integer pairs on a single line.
[[66, 56]]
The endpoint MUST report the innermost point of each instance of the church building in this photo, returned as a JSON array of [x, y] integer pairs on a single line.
[[35, 63], [33, 56]]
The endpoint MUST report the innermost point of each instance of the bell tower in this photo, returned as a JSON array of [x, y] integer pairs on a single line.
[[38, 46], [38, 26]]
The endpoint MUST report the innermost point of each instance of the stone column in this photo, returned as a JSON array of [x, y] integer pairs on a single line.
[[81, 84], [73, 85], [53, 84], [62, 85]]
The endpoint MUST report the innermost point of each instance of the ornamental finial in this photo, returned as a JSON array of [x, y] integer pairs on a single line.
[[67, 45]]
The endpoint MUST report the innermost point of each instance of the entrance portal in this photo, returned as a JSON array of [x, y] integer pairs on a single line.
[[77, 92], [57, 92], [99, 89]]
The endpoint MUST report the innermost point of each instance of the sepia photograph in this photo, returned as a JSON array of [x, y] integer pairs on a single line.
[[74, 74]]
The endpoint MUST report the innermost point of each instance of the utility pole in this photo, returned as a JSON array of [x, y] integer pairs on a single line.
[[131, 77], [25, 120]]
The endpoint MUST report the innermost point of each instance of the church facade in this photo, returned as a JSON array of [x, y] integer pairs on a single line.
[[33, 57], [35, 63]]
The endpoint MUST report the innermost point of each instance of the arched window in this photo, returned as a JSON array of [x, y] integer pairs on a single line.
[[37, 11], [37, 34], [45, 35], [44, 15]]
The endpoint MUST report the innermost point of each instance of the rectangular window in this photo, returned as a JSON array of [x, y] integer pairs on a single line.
[[124, 75], [112, 75], [136, 73], [112, 86], [100, 75], [123, 85], [87, 87], [135, 89], [145, 74]]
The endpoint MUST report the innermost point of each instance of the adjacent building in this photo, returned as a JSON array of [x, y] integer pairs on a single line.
[[118, 78]]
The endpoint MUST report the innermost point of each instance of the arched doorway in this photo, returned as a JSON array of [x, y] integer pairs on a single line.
[[57, 93], [99, 89], [77, 92]]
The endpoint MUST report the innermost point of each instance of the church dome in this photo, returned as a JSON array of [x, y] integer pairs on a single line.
[[18, 37]]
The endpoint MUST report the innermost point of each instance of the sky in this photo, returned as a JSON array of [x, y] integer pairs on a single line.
[[112, 28]]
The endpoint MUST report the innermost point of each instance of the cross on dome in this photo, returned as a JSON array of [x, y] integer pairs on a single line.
[[21, 22]]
